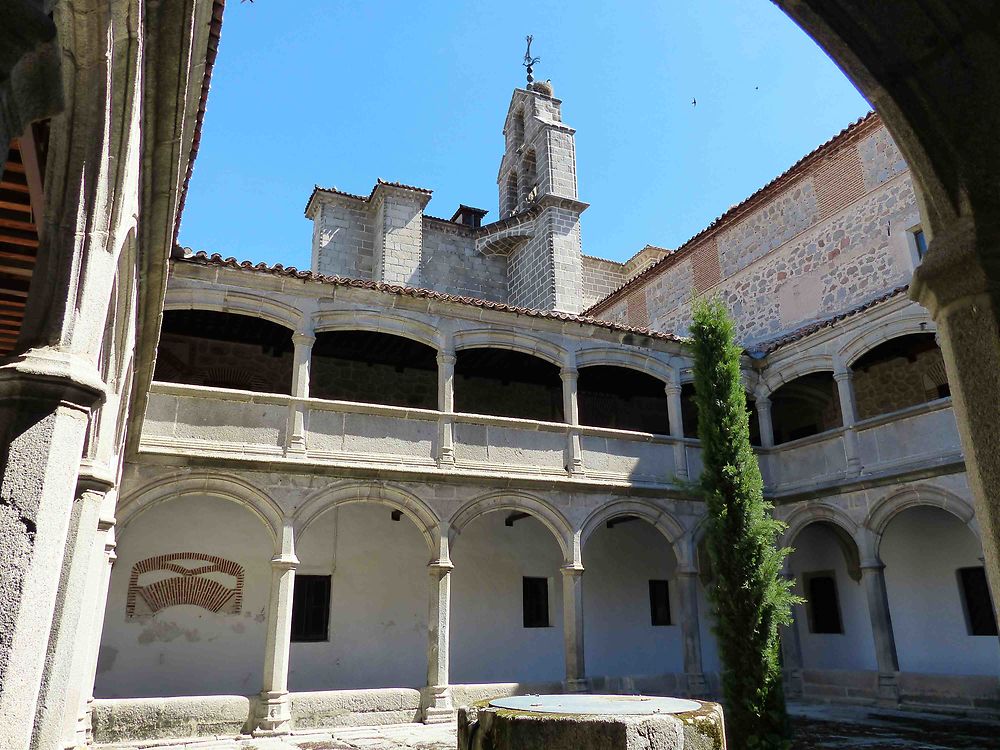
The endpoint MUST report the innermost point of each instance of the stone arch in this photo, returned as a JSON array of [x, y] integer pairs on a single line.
[[913, 322], [844, 529], [328, 498], [655, 516], [882, 512], [250, 303], [223, 486], [508, 339], [569, 542], [624, 358], [377, 321], [788, 371]]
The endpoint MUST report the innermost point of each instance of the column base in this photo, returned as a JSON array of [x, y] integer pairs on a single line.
[[696, 685], [577, 686], [888, 689], [439, 715], [274, 715], [440, 709]]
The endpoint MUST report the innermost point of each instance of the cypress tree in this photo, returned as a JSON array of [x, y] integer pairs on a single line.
[[750, 600]]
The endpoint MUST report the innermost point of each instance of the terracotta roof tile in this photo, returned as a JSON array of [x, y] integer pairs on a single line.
[[185, 255]]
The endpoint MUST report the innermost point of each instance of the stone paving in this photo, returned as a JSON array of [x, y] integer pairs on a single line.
[[817, 727]]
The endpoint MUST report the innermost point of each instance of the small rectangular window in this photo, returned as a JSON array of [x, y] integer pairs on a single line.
[[921, 242], [659, 602], [979, 614], [536, 602], [311, 608], [822, 604]]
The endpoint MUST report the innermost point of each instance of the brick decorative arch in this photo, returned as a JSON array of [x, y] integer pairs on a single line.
[[189, 586]]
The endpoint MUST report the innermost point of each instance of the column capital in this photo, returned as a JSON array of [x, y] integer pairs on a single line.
[[842, 373], [303, 339], [440, 567], [687, 571], [284, 562], [572, 569], [672, 389], [567, 371], [871, 564]]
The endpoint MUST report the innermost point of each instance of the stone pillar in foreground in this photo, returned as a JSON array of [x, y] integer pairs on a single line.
[[958, 280], [301, 365], [446, 405], [676, 416], [571, 414], [439, 708], [572, 586], [274, 715], [873, 580], [687, 580]]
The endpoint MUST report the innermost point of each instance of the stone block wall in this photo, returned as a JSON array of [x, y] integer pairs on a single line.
[[889, 386], [399, 236], [545, 273], [600, 277], [344, 240], [451, 263]]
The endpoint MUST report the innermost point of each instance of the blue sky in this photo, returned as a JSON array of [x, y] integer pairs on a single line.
[[340, 93]]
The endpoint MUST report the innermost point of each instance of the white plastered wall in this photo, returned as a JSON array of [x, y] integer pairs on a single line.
[[378, 601], [186, 649], [922, 549], [817, 550], [489, 642], [620, 639]]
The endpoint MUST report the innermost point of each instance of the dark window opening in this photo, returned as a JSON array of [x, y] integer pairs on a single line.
[[311, 608], [224, 350], [507, 383], [659, 602], [921, 242], [822, 603], [623, 399], [898, 373], [536, 602], [805, 406], [374, 368], [979, 615], [689, 415]]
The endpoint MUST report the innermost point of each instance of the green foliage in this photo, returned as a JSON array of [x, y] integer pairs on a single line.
[[749, 597]]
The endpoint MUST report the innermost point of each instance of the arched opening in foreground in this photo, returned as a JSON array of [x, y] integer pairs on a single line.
[[622, 398], [807, 405], [507, 383]]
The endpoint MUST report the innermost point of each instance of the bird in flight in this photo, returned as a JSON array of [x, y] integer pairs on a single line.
[[694, 102]]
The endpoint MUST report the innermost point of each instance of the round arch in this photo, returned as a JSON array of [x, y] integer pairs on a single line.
[[890, 506], [657, 517], [796, 368], [381, 493], [913, 322], [377, 321], [222, 486], [507, 339], [625, 358], [523, 502], [247, 303], [843, 527]]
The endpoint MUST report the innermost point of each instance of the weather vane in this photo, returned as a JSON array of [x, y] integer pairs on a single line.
[[530, 61]]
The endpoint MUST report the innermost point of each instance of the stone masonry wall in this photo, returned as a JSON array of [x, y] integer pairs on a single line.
[[831, 240], [600, 278], [344, 240], [889, 386], [450, 263], [399, 245], [529, 274]]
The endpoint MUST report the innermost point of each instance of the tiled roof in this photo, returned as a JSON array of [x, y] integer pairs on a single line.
[[214, 34], [378, 182], [770, 189], [766, 347], [185, 255]]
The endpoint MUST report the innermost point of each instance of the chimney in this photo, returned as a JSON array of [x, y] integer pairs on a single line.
[[469, 216]]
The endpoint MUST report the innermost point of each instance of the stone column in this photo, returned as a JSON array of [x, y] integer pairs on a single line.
[[571, 413], [763, 405], [274, 713], [439, 708], [687, 580], [791, 651], [676, 416], [957, 281], [845, 390], [301, 365], [59, 695], [446, 405], [576, 673], [873, 580]]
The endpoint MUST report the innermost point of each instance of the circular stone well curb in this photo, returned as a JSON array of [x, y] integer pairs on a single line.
[[483, 726]]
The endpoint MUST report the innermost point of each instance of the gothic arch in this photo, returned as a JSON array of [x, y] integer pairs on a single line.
[[508, 339], [523, 502], [660, 519], [624, 358], [222, 486], [914, 321], [328, 498], [890, 506], [377, 321], [249, 303]]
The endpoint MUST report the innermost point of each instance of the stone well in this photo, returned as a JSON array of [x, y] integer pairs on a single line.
[[591, 722]]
